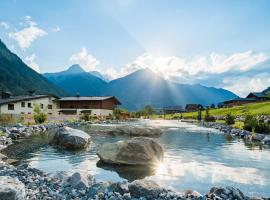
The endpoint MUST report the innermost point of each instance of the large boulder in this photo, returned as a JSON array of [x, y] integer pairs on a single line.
[[137, 131], [136, 151], [71, 138], [11, 189], [145, 188]]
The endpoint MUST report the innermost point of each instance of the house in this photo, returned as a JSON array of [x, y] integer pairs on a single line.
[[172, 109], [251, 98], [260, 96], [24, 104], [94, 106], [238, 102], [193, 107]]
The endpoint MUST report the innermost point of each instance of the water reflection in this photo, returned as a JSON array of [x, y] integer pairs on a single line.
[[129, 173]]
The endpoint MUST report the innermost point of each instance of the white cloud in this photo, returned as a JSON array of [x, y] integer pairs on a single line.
[[56, 29], [244, 85], [30, 60], [5, 25], [228, 71], [27, 35], [87, 61]]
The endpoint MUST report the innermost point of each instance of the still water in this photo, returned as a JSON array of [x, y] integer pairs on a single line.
[[195, 158]]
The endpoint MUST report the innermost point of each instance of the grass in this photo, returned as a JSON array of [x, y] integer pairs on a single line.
[[252, 109]]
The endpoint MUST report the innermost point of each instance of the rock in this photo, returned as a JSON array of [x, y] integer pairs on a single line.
[[137, 131], [145, 188], [121, 187], [258, 137], [226, 193], [192, 194], [3, 157], [266, 140], [136, 151], [11, 189], [80, 181], [71, 138]]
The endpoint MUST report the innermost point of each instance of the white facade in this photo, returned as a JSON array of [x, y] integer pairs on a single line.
[[94, 112], [26, 106]]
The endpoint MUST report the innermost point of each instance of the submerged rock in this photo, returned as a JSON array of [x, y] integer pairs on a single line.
[[137, 131], [11, 189], [136, 151], [71, 138]]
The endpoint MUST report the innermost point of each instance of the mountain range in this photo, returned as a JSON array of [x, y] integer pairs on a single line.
[[143, 87], [18, 78]]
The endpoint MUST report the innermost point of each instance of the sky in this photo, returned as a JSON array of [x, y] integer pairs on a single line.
[[222, 43]]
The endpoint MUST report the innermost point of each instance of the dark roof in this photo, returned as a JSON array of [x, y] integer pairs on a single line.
[[258, 94], [92, 98], [14, 99], [240, 99]]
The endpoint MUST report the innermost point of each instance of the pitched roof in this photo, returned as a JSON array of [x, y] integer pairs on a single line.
[[258, 94], [91, 98], [14, 99]]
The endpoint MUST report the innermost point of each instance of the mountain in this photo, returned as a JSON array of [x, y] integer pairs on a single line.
[[18, 78], [75, 80], [145, 87], [267, 91], [99, 75], [140, 88]]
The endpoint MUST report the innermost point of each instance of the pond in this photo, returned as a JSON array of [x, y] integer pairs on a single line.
[[195, 158]]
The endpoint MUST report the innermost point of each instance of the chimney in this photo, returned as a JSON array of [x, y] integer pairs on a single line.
[[31, 92]]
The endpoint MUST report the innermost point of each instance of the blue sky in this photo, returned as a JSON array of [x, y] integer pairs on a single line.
[[215, 43]]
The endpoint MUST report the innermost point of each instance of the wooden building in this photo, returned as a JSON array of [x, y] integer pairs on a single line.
[[94, 106], [193, 107]]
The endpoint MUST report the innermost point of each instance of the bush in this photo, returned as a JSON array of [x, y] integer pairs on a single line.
[[252, 124], [230, 119], [39, 116], [208, 117], [85, 117], [6, 119]]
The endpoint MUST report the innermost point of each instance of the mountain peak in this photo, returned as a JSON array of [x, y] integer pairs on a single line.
[[74, 69]]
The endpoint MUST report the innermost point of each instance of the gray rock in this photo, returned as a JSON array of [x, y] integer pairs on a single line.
[[145, 188], [137, 131], [71, 138], [192, 194], [136, 151], [11, 189], [80, 181]]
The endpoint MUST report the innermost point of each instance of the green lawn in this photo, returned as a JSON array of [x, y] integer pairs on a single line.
[[253, 109]]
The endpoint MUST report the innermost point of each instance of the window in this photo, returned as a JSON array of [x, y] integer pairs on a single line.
[[22, 104], [29, 105], [10, 106], [49, 106], [41, 105], [22, 113]]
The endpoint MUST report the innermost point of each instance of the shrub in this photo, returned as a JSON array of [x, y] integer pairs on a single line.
[[251, 123], [85, 117], [39, 116], [6, 119], [230, 119], [208, 117]]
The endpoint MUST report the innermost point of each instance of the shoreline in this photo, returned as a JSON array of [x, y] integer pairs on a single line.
[[38, 184]]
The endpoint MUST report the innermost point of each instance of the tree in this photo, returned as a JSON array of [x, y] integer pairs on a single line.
[[39, 116], [148, 110], [213, 105], [230, 119], [199, 115], [208, 117]]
